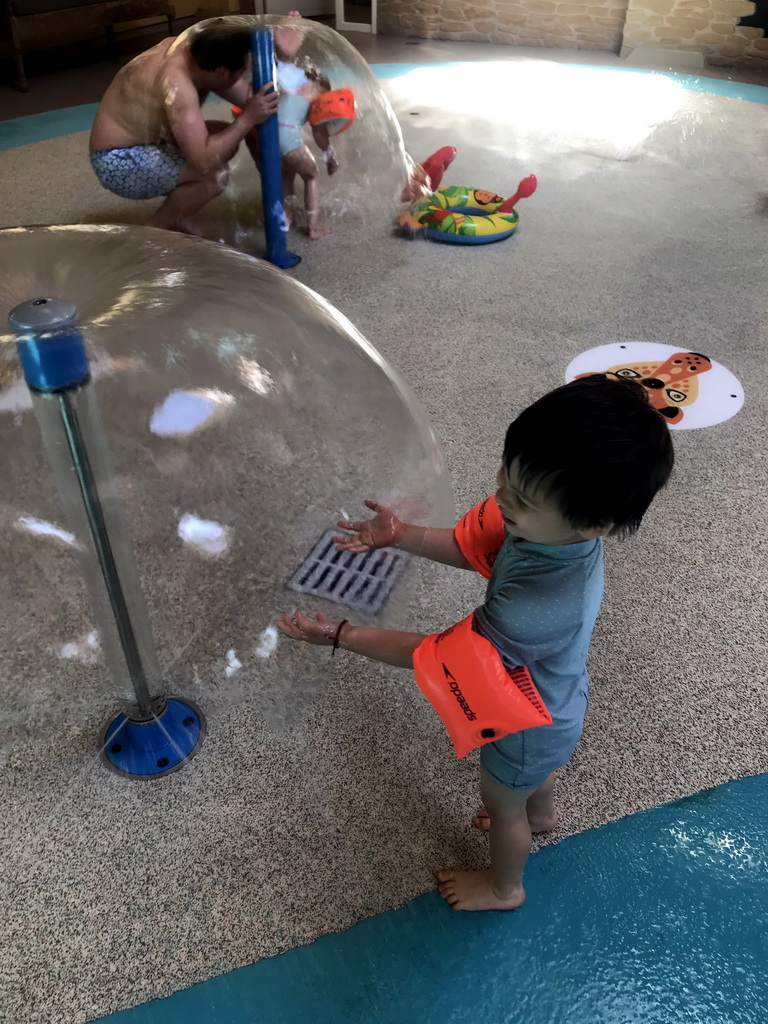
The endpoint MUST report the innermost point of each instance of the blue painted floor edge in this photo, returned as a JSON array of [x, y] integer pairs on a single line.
[[694, 83], [22, 131], [657, 918]]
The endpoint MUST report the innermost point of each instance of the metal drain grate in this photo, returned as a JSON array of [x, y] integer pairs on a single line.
[[363, 582]]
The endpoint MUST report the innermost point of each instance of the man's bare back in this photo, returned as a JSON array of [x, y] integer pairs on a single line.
[[134, 109]]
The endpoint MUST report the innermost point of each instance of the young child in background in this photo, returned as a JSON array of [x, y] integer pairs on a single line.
[[298, 87], [582, 462]]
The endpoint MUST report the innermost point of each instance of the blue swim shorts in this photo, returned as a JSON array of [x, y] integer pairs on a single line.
[[524, 760], [140, 172]]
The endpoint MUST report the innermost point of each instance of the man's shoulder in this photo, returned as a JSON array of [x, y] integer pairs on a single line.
[[176, 85]]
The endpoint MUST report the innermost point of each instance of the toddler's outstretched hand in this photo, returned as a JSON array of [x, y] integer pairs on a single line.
[[312, 631], [382, 532]]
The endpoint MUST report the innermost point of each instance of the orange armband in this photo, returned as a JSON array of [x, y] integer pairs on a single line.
[[237, 111], [336, 109], [463, 677], [480, 535]]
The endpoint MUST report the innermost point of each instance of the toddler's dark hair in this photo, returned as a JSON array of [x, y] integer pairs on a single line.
[[220, 45], [314, 74], [597, 448]]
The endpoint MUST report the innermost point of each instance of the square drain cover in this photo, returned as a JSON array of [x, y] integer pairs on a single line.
[[363, 582]]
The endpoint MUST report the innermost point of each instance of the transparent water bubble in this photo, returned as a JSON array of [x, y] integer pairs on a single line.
[[373, 166], [244, 416]]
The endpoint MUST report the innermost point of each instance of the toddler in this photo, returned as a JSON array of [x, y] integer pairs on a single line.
[[583, 462]]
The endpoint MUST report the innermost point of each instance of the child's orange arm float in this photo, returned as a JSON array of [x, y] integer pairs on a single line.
[[480, 535], [479, 701], [461, 673]]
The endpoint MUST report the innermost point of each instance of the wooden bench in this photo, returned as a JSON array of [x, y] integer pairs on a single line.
[[24, 22]]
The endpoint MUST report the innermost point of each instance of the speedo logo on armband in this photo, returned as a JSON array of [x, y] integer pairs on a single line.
[[481, 513], [521, 677], [491, 557], [460, 698]]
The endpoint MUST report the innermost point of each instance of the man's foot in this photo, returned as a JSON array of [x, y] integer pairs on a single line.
[[473, 890], [542, 823], [187, 227]]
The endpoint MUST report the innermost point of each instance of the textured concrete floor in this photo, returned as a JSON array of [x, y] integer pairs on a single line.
[[290, 825]]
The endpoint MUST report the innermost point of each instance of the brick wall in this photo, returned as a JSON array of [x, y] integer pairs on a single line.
[[708, 26], [576, 24]]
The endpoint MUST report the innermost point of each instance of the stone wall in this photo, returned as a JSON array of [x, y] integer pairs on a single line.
[[707, 26], [575, 24], [710, 27]]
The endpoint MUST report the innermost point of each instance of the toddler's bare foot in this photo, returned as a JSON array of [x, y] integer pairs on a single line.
[[482, 820], [473, 890], [317, 231], [542, 823]]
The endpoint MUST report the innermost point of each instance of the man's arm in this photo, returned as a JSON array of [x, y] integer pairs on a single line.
[[238, 95], [205, 151]]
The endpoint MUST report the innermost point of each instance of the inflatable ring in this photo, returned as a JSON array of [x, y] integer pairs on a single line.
[[465, 216]]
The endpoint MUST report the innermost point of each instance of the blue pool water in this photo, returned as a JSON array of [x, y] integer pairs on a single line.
[[660, 918]]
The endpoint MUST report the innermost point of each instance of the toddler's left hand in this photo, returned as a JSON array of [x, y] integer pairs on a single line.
[[332, 165], [318, 631]]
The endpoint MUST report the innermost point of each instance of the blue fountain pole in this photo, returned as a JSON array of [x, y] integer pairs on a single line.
[[275, 226], [154, 734]]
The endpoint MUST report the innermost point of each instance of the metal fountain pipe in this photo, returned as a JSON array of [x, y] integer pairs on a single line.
[[154, 734], [57, 372]]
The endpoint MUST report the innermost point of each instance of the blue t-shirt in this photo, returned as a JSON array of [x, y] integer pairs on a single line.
[[540, 609]]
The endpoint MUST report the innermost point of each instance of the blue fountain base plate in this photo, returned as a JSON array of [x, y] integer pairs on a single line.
[[147, 750]]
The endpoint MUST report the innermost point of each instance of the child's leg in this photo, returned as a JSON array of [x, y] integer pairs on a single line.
[[540, 808], [301, 162], [542, 816], [288, 183], [501, 888], [252, 143], [312, 208], [290, 204]]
